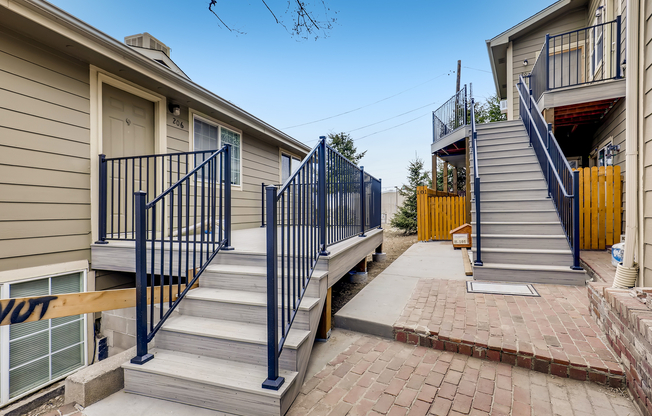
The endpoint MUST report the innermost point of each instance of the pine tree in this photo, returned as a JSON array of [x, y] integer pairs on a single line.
[[406, 217], [343, 143]]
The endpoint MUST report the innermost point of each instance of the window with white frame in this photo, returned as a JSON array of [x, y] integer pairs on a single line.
[[211, 136], [37, 353], [598, 41], [289, 165]]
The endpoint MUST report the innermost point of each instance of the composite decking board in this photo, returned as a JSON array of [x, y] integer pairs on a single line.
[[241, 297]]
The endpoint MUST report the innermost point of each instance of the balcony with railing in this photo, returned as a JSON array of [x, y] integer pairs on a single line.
[[585, 57], [449, 120]]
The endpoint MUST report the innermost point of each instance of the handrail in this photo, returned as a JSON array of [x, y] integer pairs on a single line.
[[557, 171], [120, 177], [476, 189], [326, 200], [450, 116], [578, 57], [203, 197]]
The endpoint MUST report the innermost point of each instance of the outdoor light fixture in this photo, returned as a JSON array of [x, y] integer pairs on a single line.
[[525, 62], [598, 12], [175, 109]]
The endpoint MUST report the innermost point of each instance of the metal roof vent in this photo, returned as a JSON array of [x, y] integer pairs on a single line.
[[147, 41]]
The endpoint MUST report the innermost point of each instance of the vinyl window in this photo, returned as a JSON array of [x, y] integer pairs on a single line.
[[212, 136]]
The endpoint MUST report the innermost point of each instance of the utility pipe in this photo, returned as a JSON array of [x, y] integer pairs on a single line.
[[626, 274]]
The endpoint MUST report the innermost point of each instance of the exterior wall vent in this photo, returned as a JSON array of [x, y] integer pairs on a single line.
[[145, 40]]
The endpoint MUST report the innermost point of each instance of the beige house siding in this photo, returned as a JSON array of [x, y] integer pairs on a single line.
[[529, 46], [44, 156], [647, 150]]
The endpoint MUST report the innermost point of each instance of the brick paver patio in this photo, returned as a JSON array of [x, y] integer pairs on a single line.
[[378, 376], [552, 334]]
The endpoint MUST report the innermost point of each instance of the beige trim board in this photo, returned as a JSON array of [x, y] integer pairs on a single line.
[[42, 271], [98, 77]]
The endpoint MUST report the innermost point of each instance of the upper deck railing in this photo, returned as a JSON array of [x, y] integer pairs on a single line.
[[452, 115], [579, 57]]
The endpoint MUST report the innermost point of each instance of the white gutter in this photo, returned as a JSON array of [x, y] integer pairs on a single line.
[[627, 273]]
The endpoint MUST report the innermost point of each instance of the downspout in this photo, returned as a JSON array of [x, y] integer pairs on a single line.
[[641, 142], [627, 272]]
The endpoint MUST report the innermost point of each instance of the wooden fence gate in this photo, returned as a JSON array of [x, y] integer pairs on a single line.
[[438, 213], [600, 207]]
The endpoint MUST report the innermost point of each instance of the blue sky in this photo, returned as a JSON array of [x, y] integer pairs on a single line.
[[375, 50]]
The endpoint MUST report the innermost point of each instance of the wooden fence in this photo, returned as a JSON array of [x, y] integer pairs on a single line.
[[438, 213], [600, 207]]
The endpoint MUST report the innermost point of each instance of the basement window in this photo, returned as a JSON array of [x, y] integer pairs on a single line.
[[34, 354]]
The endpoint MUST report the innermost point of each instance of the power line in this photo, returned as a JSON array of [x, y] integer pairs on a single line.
[[368, 105], [391, 118], [393, 127], [476, 69]]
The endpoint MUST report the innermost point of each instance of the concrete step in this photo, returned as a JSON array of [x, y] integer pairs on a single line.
[[249, 278], [521, 228], [240, 306], [510, 184], [221, 385], [509, 194], [526, 256], [539, 242], [557, 275], [524, 215], [229, 340]]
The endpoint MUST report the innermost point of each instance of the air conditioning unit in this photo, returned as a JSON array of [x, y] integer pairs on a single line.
[[503, 106]]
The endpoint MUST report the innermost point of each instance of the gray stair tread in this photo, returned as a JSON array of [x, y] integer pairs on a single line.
[[241, 297], [213, 371], [534, 169], [511, 180], [253, 270], [506, 164], [514, 190], [518, 200], [529, 154], [514, 210], [531, 267], [230, 330], [525, 147], [523, 250], [518, 222], [522, 236]]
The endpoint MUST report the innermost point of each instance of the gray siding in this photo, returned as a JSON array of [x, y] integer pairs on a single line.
[[528, 46], [647, 151], [44, 156]]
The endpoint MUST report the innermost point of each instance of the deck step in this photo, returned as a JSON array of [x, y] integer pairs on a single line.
[[228, 340], [539, 241], [526, 256], [523, 273], [221, 385], [540, 203], [521, 228], [514, 166], [548, 214], [512, 194], [533, 173], [249, 278], [484, 143], [511, 184], [235, 305]]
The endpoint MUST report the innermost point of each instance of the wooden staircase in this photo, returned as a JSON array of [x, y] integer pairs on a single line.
[[522, 237], [213, 353]]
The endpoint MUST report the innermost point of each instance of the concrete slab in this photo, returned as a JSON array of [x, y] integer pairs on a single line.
[[379, 305]]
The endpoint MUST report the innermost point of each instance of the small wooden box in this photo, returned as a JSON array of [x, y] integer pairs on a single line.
[[462, 236]]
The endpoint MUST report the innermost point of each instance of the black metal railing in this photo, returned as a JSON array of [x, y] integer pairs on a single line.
[[452, 115], [563, 182], [476, 188], [326, 200], [584, 56], [177, 235], [120, 177]]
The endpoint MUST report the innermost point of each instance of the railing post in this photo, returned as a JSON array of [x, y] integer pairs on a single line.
[[547, 72], [363, 217], [274, 381], [576, 220], [549, 177], [101, 220], [321, 198], [262, 205], [378, 204], [227, 198], [618, 40], [478, 233], [466, 107], [142, 356]]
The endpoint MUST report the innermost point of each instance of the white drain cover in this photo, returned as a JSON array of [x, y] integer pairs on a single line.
[[517, 289]]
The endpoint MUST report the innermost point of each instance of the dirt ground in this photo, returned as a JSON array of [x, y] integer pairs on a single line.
[[394, 244]]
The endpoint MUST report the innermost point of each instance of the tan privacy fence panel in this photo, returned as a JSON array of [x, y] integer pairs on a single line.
[[438, 213], [600, 207]]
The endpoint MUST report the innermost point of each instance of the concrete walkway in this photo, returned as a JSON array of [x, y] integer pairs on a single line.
[[379, 305]]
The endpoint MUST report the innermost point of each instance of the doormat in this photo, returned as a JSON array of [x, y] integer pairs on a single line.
[[515, 289]]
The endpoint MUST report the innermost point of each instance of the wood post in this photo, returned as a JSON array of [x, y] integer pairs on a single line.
[[455, 180], [361, 267], [435, 158], [324, 330], [445, 181]]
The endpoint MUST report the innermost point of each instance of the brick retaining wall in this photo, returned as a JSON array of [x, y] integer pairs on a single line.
[[627, 324]]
